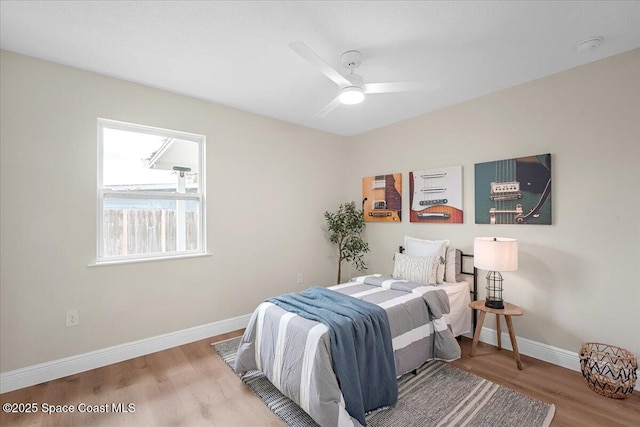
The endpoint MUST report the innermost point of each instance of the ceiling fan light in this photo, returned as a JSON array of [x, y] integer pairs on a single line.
[[351, 95]]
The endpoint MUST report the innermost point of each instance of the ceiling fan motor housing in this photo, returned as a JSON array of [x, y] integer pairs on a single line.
[[353, 94], [355, 79]]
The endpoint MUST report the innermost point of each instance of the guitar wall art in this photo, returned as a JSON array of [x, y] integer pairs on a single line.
[[382, 198], [436, 195], [514, 191]]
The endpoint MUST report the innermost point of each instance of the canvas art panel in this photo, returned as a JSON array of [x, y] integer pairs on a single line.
[[514, 191], [436, 195], [382, 198]]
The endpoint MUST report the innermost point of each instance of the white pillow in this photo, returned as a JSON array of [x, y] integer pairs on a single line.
[[419, 269], [453, 265], [419, 247]]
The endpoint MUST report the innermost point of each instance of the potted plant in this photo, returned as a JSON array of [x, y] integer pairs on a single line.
[[346, 226]]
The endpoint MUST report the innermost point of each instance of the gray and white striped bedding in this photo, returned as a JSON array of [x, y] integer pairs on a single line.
[[295, 355]]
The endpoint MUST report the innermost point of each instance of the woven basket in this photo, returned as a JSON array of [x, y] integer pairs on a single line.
[[609, 370]]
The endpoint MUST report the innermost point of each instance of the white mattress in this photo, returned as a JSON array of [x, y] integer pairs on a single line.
[[459, 299]]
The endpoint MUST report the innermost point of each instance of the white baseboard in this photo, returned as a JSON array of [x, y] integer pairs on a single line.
[[48, 371], [557, 356], [36, 374]]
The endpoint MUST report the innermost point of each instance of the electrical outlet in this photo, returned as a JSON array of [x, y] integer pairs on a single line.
[[73, 318], [300, 278]]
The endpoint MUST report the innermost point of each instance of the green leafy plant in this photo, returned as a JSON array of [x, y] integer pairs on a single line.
[[345, 230]]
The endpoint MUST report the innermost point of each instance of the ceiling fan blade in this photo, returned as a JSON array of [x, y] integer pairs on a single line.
[[329, 107], [303, 50], [398, 87]]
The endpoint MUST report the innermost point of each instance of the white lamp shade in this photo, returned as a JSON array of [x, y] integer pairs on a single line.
[[351, 95], [495, 253]]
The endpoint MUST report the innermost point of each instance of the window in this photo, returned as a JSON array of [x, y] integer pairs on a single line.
[[150, 192]]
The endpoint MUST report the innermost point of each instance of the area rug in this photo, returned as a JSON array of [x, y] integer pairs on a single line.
[[438, 395]]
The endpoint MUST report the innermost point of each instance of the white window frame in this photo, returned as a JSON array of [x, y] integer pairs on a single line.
[[133, 194]]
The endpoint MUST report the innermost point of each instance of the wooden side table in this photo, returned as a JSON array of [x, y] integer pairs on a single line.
[[508, 311]]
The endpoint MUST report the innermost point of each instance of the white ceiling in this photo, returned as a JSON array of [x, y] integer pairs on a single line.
[[236, 53]]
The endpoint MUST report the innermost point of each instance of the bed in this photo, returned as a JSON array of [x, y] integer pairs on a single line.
[[294, 353]]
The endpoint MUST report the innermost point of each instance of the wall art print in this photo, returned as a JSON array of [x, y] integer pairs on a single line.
[[436, 195], [514, 191], [382, 198]]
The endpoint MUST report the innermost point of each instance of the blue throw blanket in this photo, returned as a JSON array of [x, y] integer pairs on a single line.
[[361, 348]]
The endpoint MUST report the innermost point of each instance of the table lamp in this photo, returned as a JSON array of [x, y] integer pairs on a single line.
[[495, 254]]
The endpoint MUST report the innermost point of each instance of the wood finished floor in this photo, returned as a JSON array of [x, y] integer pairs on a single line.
[[191, 386]]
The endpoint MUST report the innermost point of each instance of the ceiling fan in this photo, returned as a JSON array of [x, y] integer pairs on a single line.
[[352, 88]]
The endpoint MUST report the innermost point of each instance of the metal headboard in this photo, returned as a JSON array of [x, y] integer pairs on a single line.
[[474, 291]]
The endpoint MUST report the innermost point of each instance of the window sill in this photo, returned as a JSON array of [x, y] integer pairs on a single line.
[[154, 259]]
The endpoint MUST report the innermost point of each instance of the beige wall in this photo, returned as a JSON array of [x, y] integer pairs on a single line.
[[267, 188], [268, 184], [577, 278]]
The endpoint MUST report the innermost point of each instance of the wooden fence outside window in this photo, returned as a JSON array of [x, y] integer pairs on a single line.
[[144, 231]]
